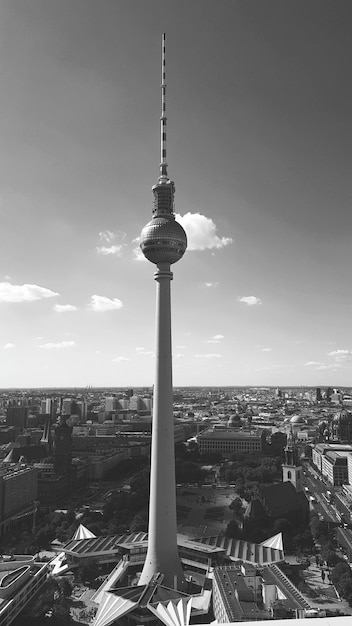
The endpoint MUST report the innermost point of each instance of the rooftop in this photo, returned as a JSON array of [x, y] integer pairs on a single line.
[[231, 433]]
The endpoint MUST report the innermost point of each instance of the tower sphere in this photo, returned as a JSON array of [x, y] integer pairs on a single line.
[[163, 240]]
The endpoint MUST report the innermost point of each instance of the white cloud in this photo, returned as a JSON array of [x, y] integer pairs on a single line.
[[178, 355], [64, 308], [322, 366], [59, 345], [24, 293], [115, 250], [139, 349], [216, 339], [250, 300], [331, 366], [211, 284], [340, 352], [201, 232], [113, 243], [208, 356], [120, 359], [107, 236], [8, 346], [146, 352], [266, 349], [101, 303], [181, 347], [137, 252]]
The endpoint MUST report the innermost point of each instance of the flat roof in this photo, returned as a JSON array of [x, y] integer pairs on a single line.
[[230, 433]]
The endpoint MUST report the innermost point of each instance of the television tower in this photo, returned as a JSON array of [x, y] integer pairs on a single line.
[[163, 242]]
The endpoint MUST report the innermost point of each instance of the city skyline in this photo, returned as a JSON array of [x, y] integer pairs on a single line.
[[258, 116]]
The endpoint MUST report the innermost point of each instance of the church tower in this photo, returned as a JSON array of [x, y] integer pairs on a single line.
[[291, 468]]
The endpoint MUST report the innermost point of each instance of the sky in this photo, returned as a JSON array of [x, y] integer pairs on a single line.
[[259, 103]]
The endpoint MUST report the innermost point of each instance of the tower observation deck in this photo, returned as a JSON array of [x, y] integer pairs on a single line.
[[163, 240]]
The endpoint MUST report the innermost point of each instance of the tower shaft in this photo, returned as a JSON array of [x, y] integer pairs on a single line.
[[162, 555]]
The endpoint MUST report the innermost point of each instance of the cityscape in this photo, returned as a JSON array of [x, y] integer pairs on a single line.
[[188, 461], [74, 484]]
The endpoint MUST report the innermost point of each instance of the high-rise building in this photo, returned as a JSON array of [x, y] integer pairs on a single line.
[[163, 242], [111, 404], [63, 448], [135, 403], [17, 416], [18, 493], [66, 406], [48, 406]]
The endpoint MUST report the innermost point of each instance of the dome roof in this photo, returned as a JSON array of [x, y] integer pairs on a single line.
[[297, 419], [234, 420], [163, 240]]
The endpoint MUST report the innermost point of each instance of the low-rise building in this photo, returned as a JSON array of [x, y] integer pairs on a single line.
[[228, 441], [244, 593]]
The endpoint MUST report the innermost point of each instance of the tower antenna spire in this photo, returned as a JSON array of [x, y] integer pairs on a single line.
[[163, 119]]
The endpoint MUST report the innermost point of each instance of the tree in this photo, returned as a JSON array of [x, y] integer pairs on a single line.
[[61, 613], [211, 457], [240, 487], [232, 529], [338, 571], [237, 507], [88, 571], [303, 542], [281, 525], [42, 537], [319, 529], [140, 522], [330, 557], [193, 450], [181, 451], [345, 585], [188, 472], [64, 586], [251, 490], [70, 516], [341, 577], [108, 510], [113, 528]]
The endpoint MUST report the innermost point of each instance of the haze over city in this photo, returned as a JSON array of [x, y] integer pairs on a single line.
[[259, 101]]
